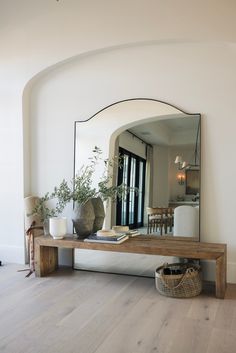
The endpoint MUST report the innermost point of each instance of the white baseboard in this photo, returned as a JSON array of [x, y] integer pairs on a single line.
[[12, 254], [16, 254], [208, 268]]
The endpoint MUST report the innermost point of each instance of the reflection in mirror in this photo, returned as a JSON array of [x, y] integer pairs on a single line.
[[149, 152], [160, 146]]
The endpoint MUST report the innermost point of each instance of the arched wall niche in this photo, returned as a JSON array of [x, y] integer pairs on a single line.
[[46, 116], [36, 113]]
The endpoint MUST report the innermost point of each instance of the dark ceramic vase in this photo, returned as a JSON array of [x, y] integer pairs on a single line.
[[83, 219], [99, 212]]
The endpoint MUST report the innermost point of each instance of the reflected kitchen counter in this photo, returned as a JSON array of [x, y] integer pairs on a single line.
[[183, 203]]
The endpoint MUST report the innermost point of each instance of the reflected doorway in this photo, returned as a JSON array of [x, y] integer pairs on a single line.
[[130, 209]]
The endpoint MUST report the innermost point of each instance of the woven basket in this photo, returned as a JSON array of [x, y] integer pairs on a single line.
[[184, 285]]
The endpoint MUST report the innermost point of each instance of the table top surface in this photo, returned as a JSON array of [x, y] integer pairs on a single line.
[[143, 244]]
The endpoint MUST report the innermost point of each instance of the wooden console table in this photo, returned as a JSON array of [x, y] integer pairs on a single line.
[[46, 252]]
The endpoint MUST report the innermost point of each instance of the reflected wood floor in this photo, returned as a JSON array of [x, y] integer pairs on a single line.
[[85, 312], [114, 262]]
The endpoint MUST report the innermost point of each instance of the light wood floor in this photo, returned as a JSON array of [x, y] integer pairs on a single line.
[[84, 312], [115, 262]]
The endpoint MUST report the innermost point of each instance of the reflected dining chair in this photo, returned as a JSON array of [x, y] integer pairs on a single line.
[[155, 219], [169, 219], [159, 218]]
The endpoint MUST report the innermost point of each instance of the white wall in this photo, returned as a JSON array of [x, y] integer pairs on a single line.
[[187, 153], [160, 176], [165, 171], [175, 52], [132, 144]]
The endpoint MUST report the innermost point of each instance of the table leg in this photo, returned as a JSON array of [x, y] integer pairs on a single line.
[[46, 260], [221, 276]]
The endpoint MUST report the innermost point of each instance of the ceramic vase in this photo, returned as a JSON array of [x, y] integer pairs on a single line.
[[58, 227], [99, 213], [83, 219]]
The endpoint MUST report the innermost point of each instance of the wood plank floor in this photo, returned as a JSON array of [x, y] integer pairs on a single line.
[[85, 312], [114, 262]]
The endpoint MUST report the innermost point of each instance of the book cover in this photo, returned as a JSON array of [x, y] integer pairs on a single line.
[[110, 234], [114, 237], [93, 238]]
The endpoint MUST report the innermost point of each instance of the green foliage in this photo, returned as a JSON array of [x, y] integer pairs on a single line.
[[61, 193], [106, 190], [82, 188], [63, 196], [83, 181], [41, 209]]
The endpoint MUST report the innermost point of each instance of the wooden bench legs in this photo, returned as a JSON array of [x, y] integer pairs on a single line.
[[46, 260], [221, 276], [46, 255]]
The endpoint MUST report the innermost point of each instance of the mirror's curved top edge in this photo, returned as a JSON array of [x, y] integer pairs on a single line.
[[137, 99]]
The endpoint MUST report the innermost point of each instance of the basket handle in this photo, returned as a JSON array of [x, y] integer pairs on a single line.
[[189, 270]]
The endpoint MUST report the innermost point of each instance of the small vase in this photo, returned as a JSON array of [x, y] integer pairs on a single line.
[[83, 219], [99, 212], [58, 227], [46, 227]]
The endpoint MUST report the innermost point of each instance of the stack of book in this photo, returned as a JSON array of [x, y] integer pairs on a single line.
[[107, 236], [117, 235]]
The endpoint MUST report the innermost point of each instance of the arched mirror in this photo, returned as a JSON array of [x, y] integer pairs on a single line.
[[160, 146]]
